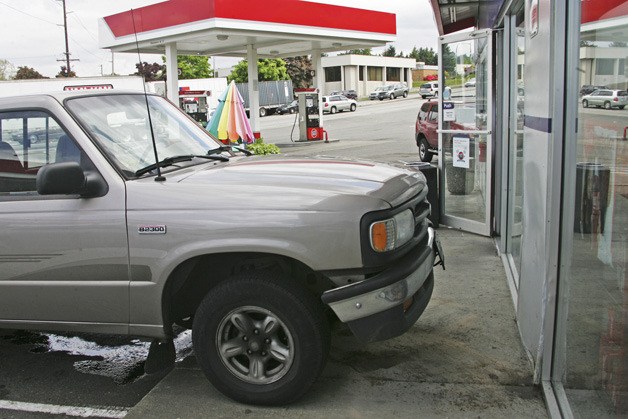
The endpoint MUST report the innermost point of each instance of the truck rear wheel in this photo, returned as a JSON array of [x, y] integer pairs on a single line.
[[262, 112], [261, 339]]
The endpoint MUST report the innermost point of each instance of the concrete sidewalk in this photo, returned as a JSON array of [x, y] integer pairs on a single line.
[[463, 358]]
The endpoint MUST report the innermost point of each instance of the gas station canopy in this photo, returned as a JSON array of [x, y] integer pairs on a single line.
[[244, 28], [281, 28]]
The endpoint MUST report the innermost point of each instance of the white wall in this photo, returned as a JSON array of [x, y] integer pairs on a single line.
[[540, 168]]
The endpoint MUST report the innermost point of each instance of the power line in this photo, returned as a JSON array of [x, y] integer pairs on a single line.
[[28, 14], [84, 27]]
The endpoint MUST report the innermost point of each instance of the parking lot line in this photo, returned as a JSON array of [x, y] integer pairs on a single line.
[[79, 411]]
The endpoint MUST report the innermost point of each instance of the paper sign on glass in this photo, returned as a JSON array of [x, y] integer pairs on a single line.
[[461, 152]]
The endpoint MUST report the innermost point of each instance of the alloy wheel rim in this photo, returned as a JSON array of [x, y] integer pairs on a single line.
[[255, 345]]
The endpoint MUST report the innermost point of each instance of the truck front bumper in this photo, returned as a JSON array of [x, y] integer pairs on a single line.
[[389, 303]]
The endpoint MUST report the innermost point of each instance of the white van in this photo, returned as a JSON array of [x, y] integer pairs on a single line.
[[429, 88]]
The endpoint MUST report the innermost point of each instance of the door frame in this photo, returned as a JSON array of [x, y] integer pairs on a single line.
[[482, 228]]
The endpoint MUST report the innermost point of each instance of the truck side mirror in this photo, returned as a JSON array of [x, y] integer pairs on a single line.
[[68, 178]]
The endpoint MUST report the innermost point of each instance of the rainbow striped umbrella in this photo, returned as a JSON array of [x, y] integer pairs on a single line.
[[229, 121]]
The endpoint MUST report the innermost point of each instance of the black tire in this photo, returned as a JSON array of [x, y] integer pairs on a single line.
[[266, 321], [435, 95], [607, 105], [585, 103], [354, 107], [262, 112], [423, 96], [292, 110], [405, 94], [392, 96], [424, 153], [621, 106], [333, 110]]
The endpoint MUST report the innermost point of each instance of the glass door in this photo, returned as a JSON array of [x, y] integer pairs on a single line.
[[464, 135]]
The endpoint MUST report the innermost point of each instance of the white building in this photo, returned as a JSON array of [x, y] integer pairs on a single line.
[[363, 73]]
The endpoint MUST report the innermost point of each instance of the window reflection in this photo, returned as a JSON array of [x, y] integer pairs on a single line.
[[596, 380]]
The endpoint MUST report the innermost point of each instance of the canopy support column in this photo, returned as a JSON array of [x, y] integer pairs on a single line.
[[251, 57], [318, 80], [172, 70]]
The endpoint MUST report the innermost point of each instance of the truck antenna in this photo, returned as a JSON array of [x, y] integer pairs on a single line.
[[159, 177]]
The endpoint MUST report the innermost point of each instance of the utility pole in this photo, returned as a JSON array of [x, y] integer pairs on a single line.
[[67, 46]]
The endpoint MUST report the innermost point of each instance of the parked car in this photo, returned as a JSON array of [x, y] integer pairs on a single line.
[[291, 107], [429, 89], [390, 91], [606, 98], [338, 103], [470, 83], [104, 238], [426, 127], [351, 94], [587, 89]]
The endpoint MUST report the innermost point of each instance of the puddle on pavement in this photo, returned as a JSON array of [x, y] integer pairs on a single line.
[[123, 363]]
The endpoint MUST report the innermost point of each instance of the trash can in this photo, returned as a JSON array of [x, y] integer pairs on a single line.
[[592, 180], [431, 175]]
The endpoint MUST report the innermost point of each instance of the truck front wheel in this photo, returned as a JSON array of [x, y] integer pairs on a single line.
[[260, 339]]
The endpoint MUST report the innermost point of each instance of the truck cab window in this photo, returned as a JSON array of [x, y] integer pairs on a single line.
[[28, 141]]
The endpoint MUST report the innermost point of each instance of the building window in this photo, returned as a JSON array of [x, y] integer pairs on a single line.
[[604, 67], [333, 74], [361, 71], [375, 74], [594, 320], [393, 74]]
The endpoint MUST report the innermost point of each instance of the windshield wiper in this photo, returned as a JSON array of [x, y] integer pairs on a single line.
[[229, 148], [169, 161]]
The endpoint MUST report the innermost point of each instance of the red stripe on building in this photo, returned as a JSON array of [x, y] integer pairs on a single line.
[[291, 12]]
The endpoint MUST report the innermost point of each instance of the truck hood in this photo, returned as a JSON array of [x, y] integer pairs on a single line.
[[265, 182]]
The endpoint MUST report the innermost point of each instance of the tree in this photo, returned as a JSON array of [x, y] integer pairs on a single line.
[[364, 51], [618, 44], [7, 70], [585, 43], [24, 73], [390, 51], [267, 69], [424, 55], [300, 71], [65, 73], [193, 66], [150, 72], [449, 60]]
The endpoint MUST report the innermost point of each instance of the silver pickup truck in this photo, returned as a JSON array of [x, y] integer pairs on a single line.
[[121, 215]]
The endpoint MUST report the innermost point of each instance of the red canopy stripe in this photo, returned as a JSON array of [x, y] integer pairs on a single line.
[[291, 12]]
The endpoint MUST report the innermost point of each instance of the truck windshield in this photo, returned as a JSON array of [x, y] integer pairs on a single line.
[[120, 125]]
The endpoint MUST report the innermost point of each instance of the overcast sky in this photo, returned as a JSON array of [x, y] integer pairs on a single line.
[[32, 32]]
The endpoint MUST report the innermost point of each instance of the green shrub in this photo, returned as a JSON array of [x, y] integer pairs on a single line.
[[260, 148]]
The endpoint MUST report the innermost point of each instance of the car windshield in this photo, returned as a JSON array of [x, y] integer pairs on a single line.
[[120, 125], [426, 86], [380, 88]]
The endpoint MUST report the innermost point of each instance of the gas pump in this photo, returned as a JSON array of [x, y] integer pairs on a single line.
[[195, 103], [310, 117]]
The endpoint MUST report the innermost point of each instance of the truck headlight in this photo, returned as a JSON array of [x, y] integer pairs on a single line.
[[392, 233]]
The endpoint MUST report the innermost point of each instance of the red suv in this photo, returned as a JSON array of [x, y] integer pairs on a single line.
[[426, 128], [425, 132]]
